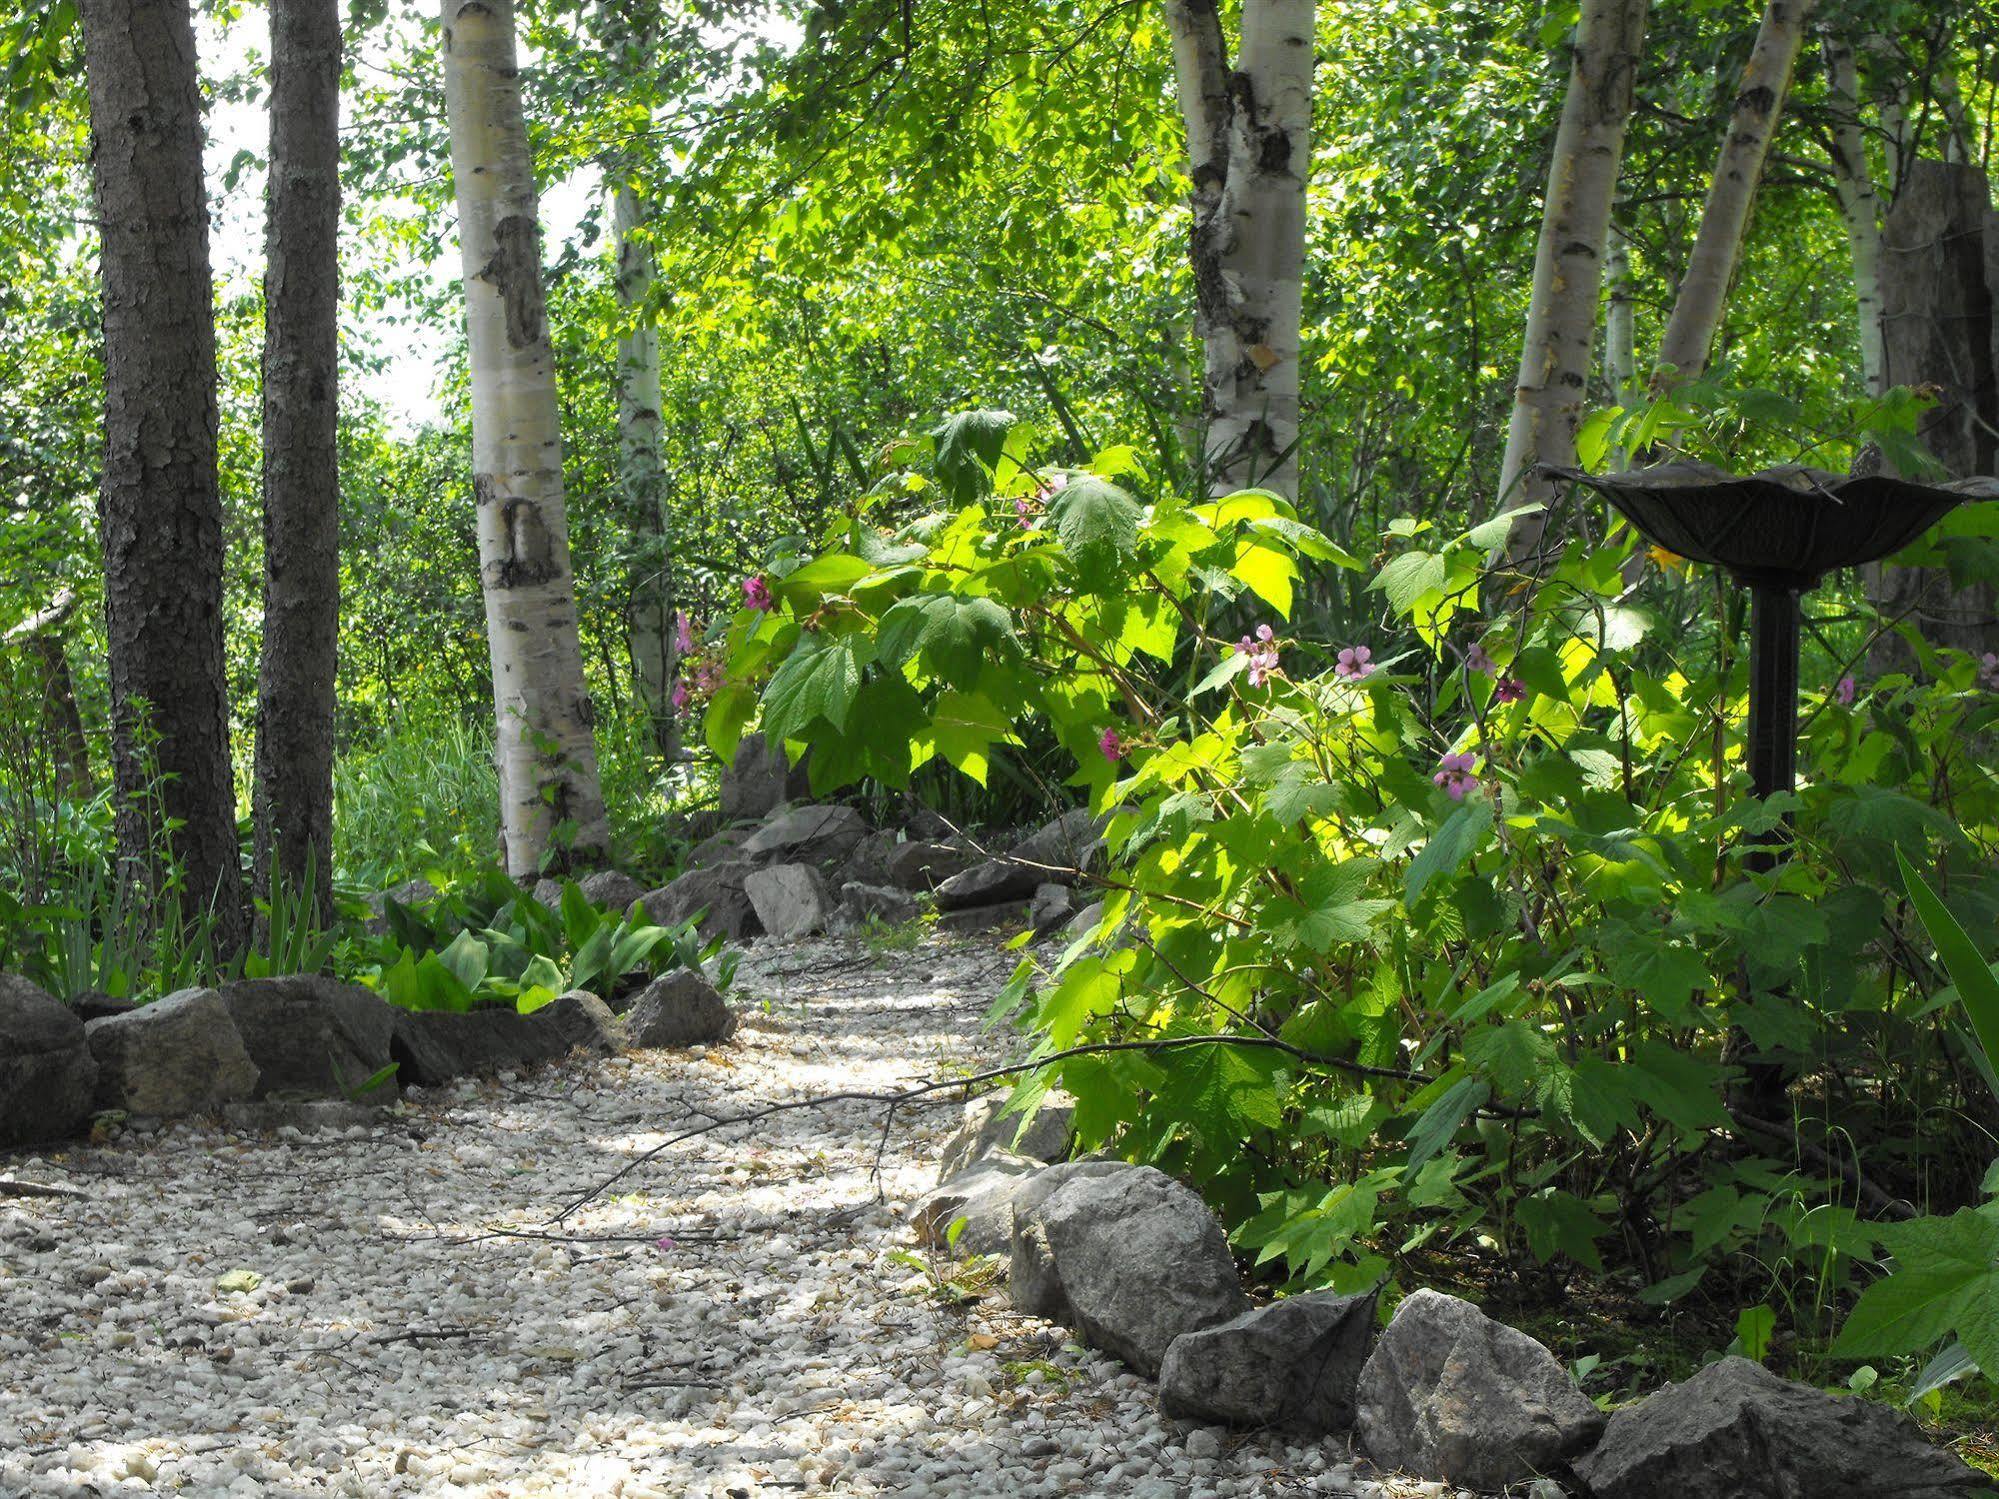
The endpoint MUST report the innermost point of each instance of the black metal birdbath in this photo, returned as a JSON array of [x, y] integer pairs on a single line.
[[1777, 533]]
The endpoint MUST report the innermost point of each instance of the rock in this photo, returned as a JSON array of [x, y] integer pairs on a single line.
[[435, 1046], [1451, 1395], [548, 893], [717, 891], [807, 835], [983, 1195], [1737, 1431], [308, 1116], [95, 1004], [411, 893], [310, 1036], [1011, 914], [1084, 922], [925, 866], [612, 889], [681, 1009], [718, 848], [47, 1073], [868, 863], [1065, 848], [791, 900], [179, 1055], [879, 901], [585, 1022], [1293, 1365], [987, 1130], [1051, 908], [1128, 1257], [758, 779], [992, 883]]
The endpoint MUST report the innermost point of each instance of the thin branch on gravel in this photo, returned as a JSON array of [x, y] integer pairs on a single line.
[[14, 1187], [424, 1335]]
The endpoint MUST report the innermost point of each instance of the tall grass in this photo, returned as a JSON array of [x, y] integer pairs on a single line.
[[424, 797]]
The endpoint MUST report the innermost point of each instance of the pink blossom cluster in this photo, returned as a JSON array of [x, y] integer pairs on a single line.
[[1112, 746], [756, 593], [1504, 689], [1843, 693], [1454, 774], [1261, 648], [1988, 671], [700, 666], [1354, 663], [1029, 507]]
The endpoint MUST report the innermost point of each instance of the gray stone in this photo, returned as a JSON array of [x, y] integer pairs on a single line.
[[179, 1055], [1128, 1257], [925, 866], [584, 1021], [612, 889], [310, 1036], [1451, 1395], [1735, 1430], [547, 892], [1011, 914], [718, 848], [1293, 1365], [681, 1009], [758, 779], [868, 863], [791, 900], [1051, 908], [995, 882], [414, 893], [715, 893], [988, 1129], [434, 1046], [47, 1074], [1066, 848], [806, 835], [983, 1195], [95, 1004], [307, 1115], [879, 901]]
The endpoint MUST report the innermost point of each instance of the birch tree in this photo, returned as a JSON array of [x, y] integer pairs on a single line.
[[1752, 125], [1248, 126], [551, 806], [1859, 207], [160, 514], [1620, 323], [295, 683], [1560, 344]]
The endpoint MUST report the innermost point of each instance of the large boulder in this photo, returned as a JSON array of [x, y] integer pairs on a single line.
[[584, 1021], [759, 779], [1067, 847], [435, 1046], [1293, 1364], [1449, 1394], [1737, 1431], [882, 902], [1010, 914], [682, 1009], [717, 890], [807, 835], [983, 1196], [791, 900], [718, 848], [47, 1074], [868, 863], [612, 889], [925, 866], [1130, 1258], [995, 882], [988, 1129], [310, 1036], [179, 1055]]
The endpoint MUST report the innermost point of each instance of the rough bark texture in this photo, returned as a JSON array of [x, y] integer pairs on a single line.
[[546, 755], [295, 681], [1759, 103], [642, 470], [1939, 329], [1859, 207], [1560, 344], [161, 512], [39, 638], [1249, 149]]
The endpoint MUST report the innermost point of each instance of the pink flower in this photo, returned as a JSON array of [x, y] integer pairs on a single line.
[[756, 593], [1509, 690], [1477, 660], [1355, 663], [680, 694], [1988, 671], [1261, 648], [666, 1245], [1843, 693], [1113, 748], [683, 634], [1051, 486], [1025, 511], [1455, 776]]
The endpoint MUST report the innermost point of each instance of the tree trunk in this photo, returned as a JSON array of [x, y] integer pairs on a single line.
[[1939, 328], [1249, 147], [40, 636], [1560, 344], [295, 680], [1859, 207], [642, 470], [161, 513], [551, 806], [1759, 102], [1620, 327]]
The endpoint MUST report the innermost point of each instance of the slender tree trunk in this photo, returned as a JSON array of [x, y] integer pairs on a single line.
[[40, 636], [295, 680], [161, 513], [642, 469], [1249, 147], [1752, 125], [1560, 344], [551, 806], [1859, 207], [1620, 325]]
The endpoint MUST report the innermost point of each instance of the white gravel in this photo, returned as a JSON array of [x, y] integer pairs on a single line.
[[395, 1344]]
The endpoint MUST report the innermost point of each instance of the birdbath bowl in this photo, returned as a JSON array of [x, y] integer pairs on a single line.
[[1777, 533]]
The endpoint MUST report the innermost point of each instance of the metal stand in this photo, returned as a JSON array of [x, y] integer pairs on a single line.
[[1772, 748]]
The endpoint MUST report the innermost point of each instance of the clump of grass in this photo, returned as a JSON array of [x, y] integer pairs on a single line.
[[424, 797]]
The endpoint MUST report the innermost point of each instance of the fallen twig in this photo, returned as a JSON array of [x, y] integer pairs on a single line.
[[13, 1187]]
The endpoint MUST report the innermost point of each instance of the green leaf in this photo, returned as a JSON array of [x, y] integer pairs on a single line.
[[1977, 984], [1946, 1280], [1098, 526], [1412, 578], [955, 636], [818, 681], [1448, 847], [1753, 1327], [970, 446], [1557, 1222], [1440, 1121]]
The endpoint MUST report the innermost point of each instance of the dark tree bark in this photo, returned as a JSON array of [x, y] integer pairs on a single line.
[[161, 511], [295, 683]]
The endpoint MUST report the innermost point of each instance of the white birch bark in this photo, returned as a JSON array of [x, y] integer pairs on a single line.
[[1752, 124], [1620, 323], [1560, 343], [545, 751], [1249, 146], [642, 467], [1859, 207]]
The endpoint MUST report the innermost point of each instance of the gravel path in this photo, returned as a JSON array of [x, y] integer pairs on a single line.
[[729, 1321]]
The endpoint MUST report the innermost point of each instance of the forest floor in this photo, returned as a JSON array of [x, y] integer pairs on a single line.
[[730, 1319]]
